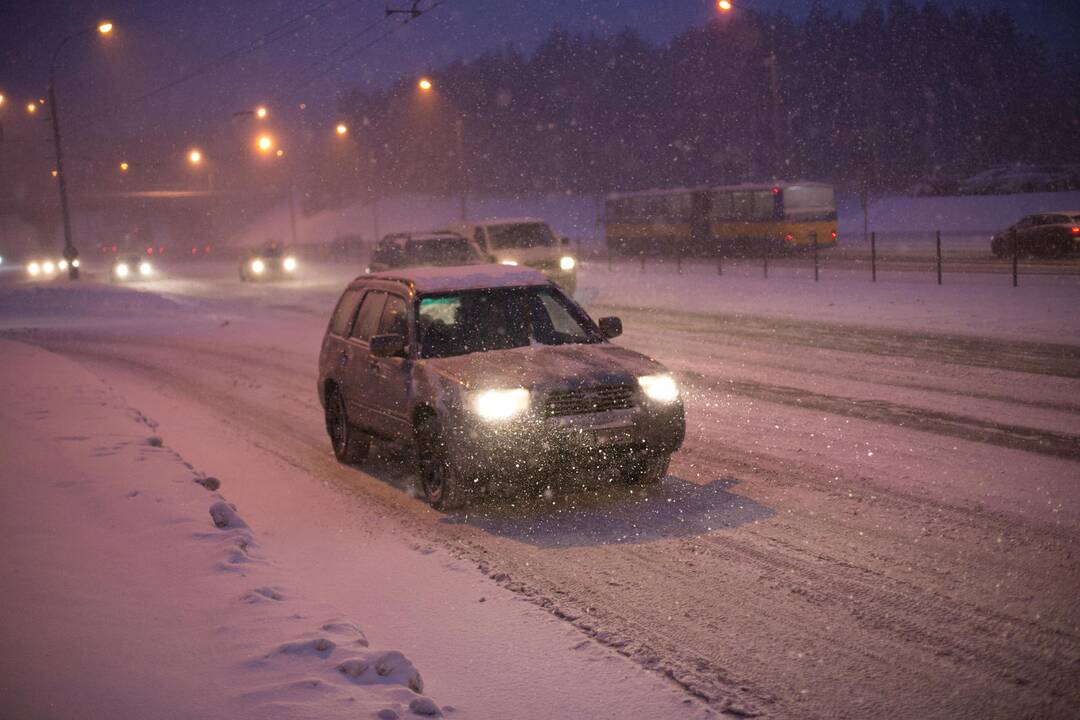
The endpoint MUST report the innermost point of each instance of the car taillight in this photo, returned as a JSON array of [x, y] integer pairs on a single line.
[[789, 237], [1076, 231], [833, 234]]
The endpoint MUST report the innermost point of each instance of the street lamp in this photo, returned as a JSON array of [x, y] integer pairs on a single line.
[[260, 112], [723, 5], [341, 129], [424, 85], [123, 167], [31, 108], [195, 156], [264, 143], [70, 253]]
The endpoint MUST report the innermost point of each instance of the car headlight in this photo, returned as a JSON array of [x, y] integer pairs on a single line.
[[661, 388], [121, 270], [567, 263], [501, 404], [257, 266], [508, 262], [48, 267], [289, 264], [75, 262], [33, 268], [62, 265], [145, 269]]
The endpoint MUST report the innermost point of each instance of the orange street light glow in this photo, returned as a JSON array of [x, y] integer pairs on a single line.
[[424, 84], [260, 112], [280, 153], [723, 5], [31, 108], [123, 167], [1, 98], [105, 28], [341, 129], [55, 173], [265, 143], [195, 157]]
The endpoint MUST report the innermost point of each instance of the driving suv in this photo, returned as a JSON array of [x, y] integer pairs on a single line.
[[524, 242], [416, 249], [495, 376]]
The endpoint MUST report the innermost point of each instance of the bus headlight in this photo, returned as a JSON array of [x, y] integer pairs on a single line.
[[567, 263], [75, 262], [121, 270], [48, 268], [62, 265], [145, 269], [257, 266], [501, 404], [34, 269], [661, 388], [289, 264]]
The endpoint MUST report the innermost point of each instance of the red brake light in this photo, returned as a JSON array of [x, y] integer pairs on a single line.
[[789, 237], [833, 234], [114, 248], [1076, 231], [149, 251], [194, 251], [206, 249], [776, 191]]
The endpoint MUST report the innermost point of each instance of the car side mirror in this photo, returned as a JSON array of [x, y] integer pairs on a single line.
[[387, 345], [565, 241], [610, 327]]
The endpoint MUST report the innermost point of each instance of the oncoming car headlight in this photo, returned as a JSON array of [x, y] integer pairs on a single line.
[[47, 267], [33, 268], [62, 265], [289, 264], [661, 388], [508, 262], [75, 262], [567, 263], [501, 404], [257, 266], [121, 270], [145, 268]]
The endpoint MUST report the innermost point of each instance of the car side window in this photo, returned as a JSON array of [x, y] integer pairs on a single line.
[[395, 320], [367, 321], [345, 312], [478, 236]]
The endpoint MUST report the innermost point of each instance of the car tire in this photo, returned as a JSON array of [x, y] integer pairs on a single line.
[[649, 470], [440, 479], [350, 444]]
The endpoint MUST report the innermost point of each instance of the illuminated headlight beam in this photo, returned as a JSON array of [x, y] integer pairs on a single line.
[[145, 269], [497, 405], [122, 270], [567, 263], [661, 388], [289, 264], [258, 266]]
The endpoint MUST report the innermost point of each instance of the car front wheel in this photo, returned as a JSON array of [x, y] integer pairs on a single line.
[[439, 476], [649, 470], [350, 445]]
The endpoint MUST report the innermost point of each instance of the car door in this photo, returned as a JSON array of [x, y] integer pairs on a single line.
[[393, 375], [335, 350], [357, 378]]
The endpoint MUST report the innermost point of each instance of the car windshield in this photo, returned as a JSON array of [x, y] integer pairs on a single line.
[[499, 319], [521, 235], [441, 251]]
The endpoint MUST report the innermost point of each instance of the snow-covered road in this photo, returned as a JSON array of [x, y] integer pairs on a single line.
[[873, 516]]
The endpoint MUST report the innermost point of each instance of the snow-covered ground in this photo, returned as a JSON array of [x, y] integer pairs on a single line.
[[875, 514], [141, 583]]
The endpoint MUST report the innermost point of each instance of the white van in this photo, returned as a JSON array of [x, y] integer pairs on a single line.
[[524, 241]]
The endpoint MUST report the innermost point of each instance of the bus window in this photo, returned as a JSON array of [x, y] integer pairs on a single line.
[[742, 205], [764, 205], [721, 206], [813, 200]]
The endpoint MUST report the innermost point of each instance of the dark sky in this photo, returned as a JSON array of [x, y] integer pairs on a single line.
[[159, 41]]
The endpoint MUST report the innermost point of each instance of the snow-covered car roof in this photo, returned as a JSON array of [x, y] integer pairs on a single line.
[[507, 221], [463, 277]]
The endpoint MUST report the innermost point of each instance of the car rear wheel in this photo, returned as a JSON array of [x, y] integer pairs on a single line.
[[649, 470], [350, 444], [439, 477]]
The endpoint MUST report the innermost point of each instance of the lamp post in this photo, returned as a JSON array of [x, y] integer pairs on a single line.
[[70, 253], [426, 87]]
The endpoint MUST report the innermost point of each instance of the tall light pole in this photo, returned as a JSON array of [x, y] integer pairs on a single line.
[[426, 87], [70, 253]]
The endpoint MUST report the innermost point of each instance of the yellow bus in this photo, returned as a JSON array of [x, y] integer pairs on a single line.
[[748, 219]]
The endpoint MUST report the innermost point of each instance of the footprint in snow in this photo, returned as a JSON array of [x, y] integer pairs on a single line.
[[263, 594], [225, 517]]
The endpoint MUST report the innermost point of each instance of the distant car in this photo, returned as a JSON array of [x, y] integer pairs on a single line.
[[526, 242], [45, 267], [271, 262], [1054, 234], [126, 268], [420, 249], [494, 375]]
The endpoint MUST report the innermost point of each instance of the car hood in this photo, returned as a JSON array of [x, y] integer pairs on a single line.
[[546, 367]]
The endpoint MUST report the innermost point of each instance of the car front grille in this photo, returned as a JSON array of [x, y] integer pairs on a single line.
[[582, 401]]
